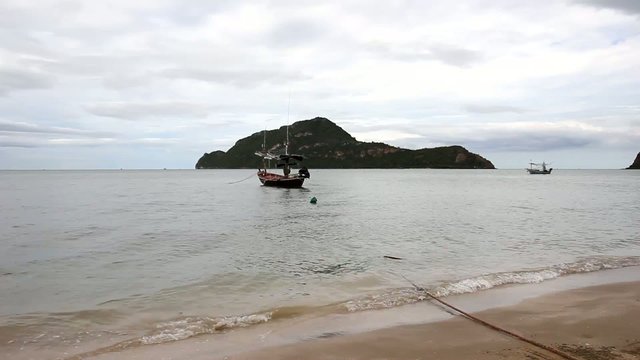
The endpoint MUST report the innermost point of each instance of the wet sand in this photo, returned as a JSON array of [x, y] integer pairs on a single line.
[[593, 323], [594, 316]]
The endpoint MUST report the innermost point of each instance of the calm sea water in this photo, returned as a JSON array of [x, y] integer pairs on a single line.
[[95, 258]]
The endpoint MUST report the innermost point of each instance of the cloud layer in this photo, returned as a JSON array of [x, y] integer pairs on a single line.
[[503, 78]]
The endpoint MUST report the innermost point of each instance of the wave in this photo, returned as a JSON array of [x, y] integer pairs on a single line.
[[398, 297], [489, 281], [190, 326]]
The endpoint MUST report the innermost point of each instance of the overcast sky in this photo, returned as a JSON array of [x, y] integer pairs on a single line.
[[157, 83]]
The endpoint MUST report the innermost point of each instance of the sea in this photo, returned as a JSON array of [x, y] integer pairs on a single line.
[[103, 261]]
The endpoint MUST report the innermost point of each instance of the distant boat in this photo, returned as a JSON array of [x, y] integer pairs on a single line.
[[539, 168], [284, 161]]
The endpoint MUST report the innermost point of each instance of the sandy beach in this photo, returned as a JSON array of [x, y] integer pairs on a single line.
[[594, 316], [598, 323]]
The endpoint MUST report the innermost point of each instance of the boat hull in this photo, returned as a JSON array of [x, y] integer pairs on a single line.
[[275, 180], [539, 172]]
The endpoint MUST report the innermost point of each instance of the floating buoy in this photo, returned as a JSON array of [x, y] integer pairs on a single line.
[[313, 200]]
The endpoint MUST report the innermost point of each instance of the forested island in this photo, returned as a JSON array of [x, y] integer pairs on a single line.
[[636, 163], [326, 145]]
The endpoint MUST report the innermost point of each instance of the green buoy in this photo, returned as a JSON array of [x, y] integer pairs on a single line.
[[313, 200]]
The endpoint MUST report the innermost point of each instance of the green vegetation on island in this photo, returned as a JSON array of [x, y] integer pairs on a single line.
[[326, 145], [636, 163]]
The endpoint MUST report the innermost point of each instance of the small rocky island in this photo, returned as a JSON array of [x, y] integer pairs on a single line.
[[326, 145], [636, 163]]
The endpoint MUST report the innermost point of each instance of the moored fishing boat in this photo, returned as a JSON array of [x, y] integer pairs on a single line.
[[539, 168], [285, 161]]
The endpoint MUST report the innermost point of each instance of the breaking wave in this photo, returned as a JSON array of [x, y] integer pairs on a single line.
[[187, 327], [398, 297], [192, 326]]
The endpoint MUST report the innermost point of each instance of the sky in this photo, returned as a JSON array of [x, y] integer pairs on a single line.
[[157, 83]]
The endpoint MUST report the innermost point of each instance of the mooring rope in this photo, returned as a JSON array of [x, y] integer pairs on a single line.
[[239, 181], [494, 327]]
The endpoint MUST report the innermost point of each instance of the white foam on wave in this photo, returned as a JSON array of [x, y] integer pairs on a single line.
[[193, 326], [405, 296], [187, 327], [489, 281], [385, 300]]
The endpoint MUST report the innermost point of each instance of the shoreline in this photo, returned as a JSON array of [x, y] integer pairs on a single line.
[[290, 337], [316, 337], [598, 322]]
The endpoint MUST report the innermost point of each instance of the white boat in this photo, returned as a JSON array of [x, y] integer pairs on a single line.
[[539, 168]]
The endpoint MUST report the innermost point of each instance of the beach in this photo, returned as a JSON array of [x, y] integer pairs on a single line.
[[598, 322], [589, 316], [592, 316]]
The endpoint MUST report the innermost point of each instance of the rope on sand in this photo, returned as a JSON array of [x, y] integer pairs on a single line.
[[494, 327]]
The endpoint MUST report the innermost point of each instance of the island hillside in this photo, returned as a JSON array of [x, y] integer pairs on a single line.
[[326, 145], [636, 163]]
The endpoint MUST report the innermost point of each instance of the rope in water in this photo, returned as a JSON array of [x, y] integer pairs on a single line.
[[494, 327], [245, 179]]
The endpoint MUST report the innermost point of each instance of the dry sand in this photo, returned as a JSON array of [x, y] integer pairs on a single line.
[[593, 323]]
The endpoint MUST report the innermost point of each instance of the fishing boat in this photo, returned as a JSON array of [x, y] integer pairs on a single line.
[[285, 161], [539, 168]]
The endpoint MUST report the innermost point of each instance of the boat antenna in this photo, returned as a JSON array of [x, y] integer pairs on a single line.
[[264, 141], [286, 144]]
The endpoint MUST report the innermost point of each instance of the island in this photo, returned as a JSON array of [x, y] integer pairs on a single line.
[[636, 163], [326, 145]]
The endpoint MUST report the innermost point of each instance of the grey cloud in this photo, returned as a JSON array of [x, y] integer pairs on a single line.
[[296, 32], [90, 65], [35, 141], [83, 64], [27, 135], [531, 139], [455, 56], [6, 126], [20, 127], [191, 12], [492, 109], [134, 110], [358, 127], [447, 54], [66, 16], [16, 41], [530, 142], [628, 6], [45, 140], [146, 142], [118, 72], [18, 79], [395, 52], [517, 138], [236, 77], [126, 81], [516, 142], [18, 142]]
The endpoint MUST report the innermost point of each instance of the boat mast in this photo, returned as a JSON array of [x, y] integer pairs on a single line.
[[264, 141], [264, 148], [286, 144], [286, 168]]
